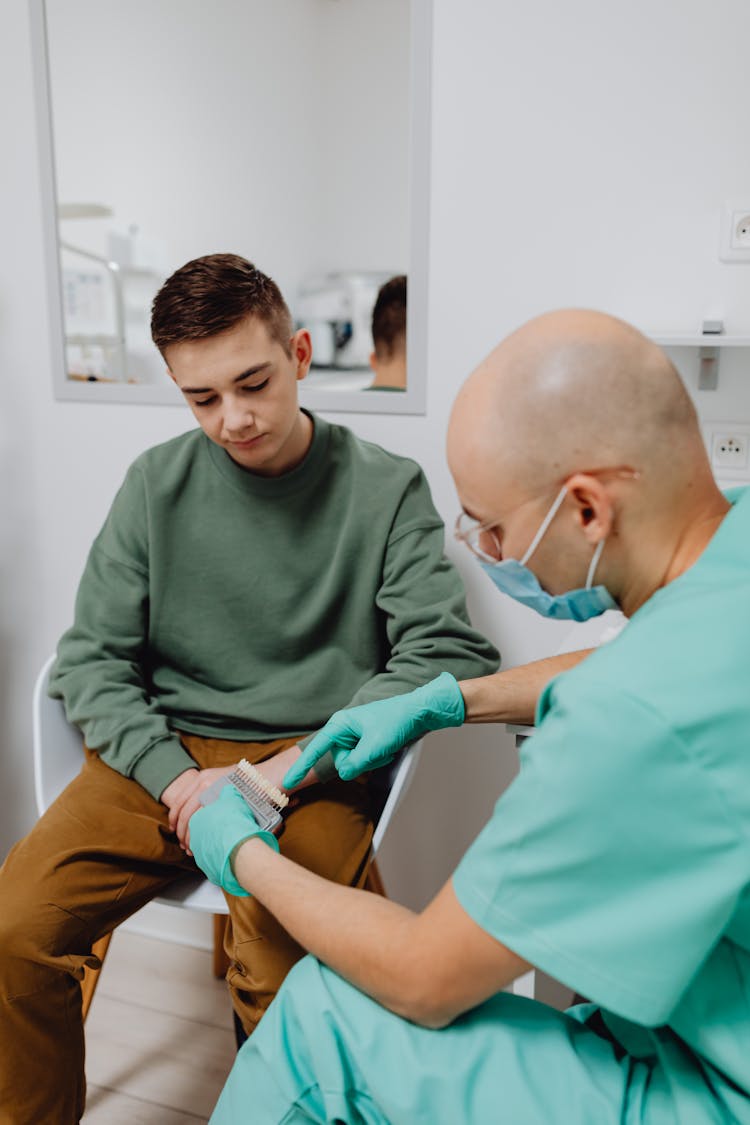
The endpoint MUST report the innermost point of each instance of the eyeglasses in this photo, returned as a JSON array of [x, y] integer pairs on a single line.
[[482, 539], [472, 534]]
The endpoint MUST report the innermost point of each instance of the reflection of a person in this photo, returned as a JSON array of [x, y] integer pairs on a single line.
[[388, 360]]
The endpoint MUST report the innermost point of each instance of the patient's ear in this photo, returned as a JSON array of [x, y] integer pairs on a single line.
[[301, 345]]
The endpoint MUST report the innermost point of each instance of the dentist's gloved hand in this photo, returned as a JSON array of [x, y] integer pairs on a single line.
[[367, 737], [216, 830]]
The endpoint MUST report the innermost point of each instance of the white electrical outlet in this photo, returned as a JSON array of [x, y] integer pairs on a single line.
[[741, 232], [728, 445], [729, 451], [734, 245]]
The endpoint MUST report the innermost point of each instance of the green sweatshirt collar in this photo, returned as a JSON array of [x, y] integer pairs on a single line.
[[302, 476]]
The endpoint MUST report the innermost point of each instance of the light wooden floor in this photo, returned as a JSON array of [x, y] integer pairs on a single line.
[[159, 1038]]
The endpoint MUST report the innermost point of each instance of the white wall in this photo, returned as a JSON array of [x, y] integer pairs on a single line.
[[580, 156]]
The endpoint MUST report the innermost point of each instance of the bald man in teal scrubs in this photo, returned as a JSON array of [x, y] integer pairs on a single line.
[[618, 860]]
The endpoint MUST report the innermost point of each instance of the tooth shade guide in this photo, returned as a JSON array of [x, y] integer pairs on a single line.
[[246, 775]]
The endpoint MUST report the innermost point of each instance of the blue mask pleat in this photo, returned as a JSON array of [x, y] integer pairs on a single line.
[[516, 580]]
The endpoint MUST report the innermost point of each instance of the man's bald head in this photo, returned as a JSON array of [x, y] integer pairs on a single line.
[[567, 396], [570, 391]]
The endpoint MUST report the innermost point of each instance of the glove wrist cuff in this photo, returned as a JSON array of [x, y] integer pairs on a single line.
[[444, 704], [229, 880]]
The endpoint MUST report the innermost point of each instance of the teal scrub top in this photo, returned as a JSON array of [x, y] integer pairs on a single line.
[[618, 861]]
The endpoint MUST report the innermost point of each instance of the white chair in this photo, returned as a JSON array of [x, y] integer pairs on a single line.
[[58, 756]]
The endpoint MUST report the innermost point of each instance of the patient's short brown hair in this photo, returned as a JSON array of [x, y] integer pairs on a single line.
[[210, 295], [389, 318]]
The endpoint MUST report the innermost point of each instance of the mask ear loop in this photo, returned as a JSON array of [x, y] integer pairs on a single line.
[[595, 562], [545, 524]]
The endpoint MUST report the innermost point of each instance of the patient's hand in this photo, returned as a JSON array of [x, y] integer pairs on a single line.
[[274, 769], [182, 798]]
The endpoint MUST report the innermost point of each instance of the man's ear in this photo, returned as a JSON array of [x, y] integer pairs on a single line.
[[594, 508], [301, 347], [373, 361]]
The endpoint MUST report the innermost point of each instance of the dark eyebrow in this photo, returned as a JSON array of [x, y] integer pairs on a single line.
[[237, 379]]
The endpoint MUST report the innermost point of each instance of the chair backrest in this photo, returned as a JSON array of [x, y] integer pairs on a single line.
[[57, 744], [58, 754], [401, 774]]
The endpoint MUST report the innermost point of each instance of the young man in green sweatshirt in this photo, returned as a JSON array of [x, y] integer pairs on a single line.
[[252, 577]]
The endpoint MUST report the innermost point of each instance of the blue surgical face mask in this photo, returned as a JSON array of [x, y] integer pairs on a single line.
[[514, 578]]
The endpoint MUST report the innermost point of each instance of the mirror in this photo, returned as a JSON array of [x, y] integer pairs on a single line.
[[293, 132]]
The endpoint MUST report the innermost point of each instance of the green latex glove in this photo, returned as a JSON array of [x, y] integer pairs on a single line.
[[217, 830], [367, 737]]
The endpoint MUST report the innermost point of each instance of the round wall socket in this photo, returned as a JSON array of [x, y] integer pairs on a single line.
[[734, 245], [741, 234]]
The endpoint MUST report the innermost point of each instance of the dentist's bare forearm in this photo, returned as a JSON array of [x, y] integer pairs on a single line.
[[512, 696], [362, 936], [428, 967]]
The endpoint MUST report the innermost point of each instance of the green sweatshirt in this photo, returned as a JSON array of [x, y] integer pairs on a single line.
[[230, 605]]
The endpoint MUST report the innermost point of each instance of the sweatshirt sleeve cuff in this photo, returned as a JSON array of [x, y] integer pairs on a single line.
[[160, 765]]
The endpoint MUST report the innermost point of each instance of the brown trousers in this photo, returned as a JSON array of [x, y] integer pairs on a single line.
[[98, 854]]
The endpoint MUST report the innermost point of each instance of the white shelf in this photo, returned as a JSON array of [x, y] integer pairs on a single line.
[[698, 340], [709, 345]]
